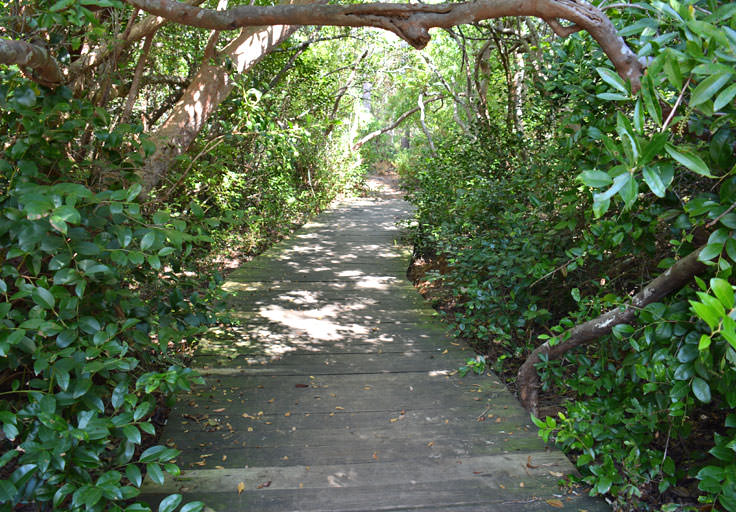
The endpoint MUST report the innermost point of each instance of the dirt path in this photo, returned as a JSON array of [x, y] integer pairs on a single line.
[[339, 392]]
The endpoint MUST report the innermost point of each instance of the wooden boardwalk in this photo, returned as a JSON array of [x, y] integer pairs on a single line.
[[340, 393]]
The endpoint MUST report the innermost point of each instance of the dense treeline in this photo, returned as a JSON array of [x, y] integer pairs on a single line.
[[555, 196]]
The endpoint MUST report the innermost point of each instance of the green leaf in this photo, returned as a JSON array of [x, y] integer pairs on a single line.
[[725, 97], [155, 473], [152, 453], [194, 506], [701, 390], [169, 503], [651, 101], [8, 492], [728, 330], [132, 434], [724, 291], [653, 181], [611, 78], [68, 214], [618, 183], [61, 5], [154, 261], [707, 314], [710, 251], [88, 495], [148, 240], [704, 342], [595, 178], [134, 474], [629, 192], [689, 160], [43, 298], [603, 485], [708, 87]]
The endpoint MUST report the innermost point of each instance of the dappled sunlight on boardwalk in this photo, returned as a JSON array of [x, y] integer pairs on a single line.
[[337, 390]]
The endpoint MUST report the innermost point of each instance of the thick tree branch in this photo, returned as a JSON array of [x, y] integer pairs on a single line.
[[396, 123], [411, 22], [45, 70], [674, 278]]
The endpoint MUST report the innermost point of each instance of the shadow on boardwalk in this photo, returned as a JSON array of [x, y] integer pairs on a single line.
[[339, 392]]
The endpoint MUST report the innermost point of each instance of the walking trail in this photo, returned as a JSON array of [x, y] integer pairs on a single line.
[[340, 391]]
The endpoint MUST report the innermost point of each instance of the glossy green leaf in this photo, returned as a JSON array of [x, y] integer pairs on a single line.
[[724, 291], [654, 181], [725, 97], [701, 390], [689, 160], [708, 88], [43, 298], [595, 178], [611, 78], [169, 503]]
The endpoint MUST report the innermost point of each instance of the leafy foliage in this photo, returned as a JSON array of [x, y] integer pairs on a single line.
[[530, 253]]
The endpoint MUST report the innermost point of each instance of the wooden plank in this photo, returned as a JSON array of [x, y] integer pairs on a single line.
[[476, 494]]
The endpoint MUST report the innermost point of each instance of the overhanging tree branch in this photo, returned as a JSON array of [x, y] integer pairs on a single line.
[[396, 123], [411, 22], [674, 278], [31, 57]]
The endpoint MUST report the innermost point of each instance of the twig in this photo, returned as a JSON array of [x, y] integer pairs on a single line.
[[677, 104], [715, 221]]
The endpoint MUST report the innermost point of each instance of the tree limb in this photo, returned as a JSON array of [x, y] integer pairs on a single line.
[[674, 278], [396, 123], [45, 69], [411, 22], [135, 86]]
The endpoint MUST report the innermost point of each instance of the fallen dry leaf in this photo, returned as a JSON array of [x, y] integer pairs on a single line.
[[221, 409], [301, 385], [224, 458], [287, 414], [394, 420], [219, 467], [430, 444], [554, 502], [444, 351], [556, 473], [529, 463], [264, 484], [521, 484], [241, 487], [375, 455]]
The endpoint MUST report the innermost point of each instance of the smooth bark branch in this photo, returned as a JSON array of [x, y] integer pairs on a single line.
[[208, 88], [411, 22], [674, 278], [396, 123], [135, 86], [32, 57]]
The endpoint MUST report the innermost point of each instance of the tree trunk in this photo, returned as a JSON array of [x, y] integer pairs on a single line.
[[209, 87], [674, 278]]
